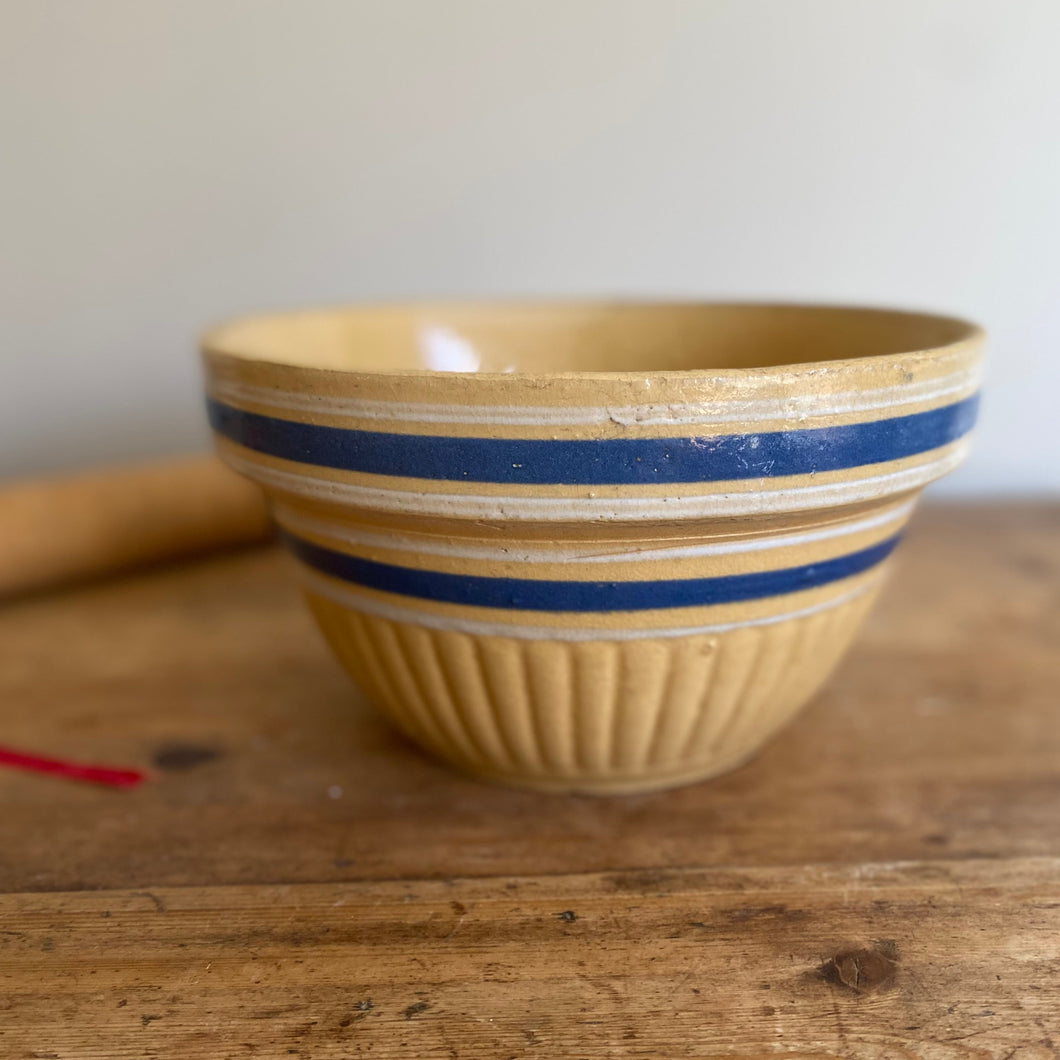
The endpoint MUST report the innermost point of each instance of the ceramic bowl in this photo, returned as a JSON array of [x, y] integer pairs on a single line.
[[592, 547]]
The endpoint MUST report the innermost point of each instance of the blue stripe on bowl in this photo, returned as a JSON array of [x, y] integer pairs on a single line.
[[531, 594], [605, 461]]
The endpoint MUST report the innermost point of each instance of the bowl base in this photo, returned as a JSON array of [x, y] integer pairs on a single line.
[[611, 785]]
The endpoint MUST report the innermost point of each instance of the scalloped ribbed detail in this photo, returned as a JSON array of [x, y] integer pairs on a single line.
[[591, 716]]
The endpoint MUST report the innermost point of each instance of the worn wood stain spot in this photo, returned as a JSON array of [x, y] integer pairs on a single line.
[[153, 898], [645, 880], [568, 915], [178, 757], [360, 1010], [755, 912], [863, 969], [416, 1009]]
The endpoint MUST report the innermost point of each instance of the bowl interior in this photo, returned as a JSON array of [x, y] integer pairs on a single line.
[[580, 337]]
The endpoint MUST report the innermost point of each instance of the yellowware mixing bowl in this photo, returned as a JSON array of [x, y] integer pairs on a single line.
[[592, 547]]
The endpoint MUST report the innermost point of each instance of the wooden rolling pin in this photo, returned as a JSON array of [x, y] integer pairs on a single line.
[[59, 530]]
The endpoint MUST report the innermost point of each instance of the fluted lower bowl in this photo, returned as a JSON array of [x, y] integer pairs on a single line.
[[598, 548]]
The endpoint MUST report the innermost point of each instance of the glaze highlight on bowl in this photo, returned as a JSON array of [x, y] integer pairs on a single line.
[[598, 547]]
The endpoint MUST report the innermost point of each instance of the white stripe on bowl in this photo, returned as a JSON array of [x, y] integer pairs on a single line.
[[604, 509], [395, 613], [296, 521], [687, 414]]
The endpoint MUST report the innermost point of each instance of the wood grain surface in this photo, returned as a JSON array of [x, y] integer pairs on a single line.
[[936, 960], [883, 881]]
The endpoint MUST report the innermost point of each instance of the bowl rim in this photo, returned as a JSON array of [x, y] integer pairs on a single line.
[[221, 342]]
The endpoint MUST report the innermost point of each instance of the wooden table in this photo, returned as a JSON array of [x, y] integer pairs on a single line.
[[884, 881]]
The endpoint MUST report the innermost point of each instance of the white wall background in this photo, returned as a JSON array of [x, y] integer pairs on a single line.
[[172, 162]]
